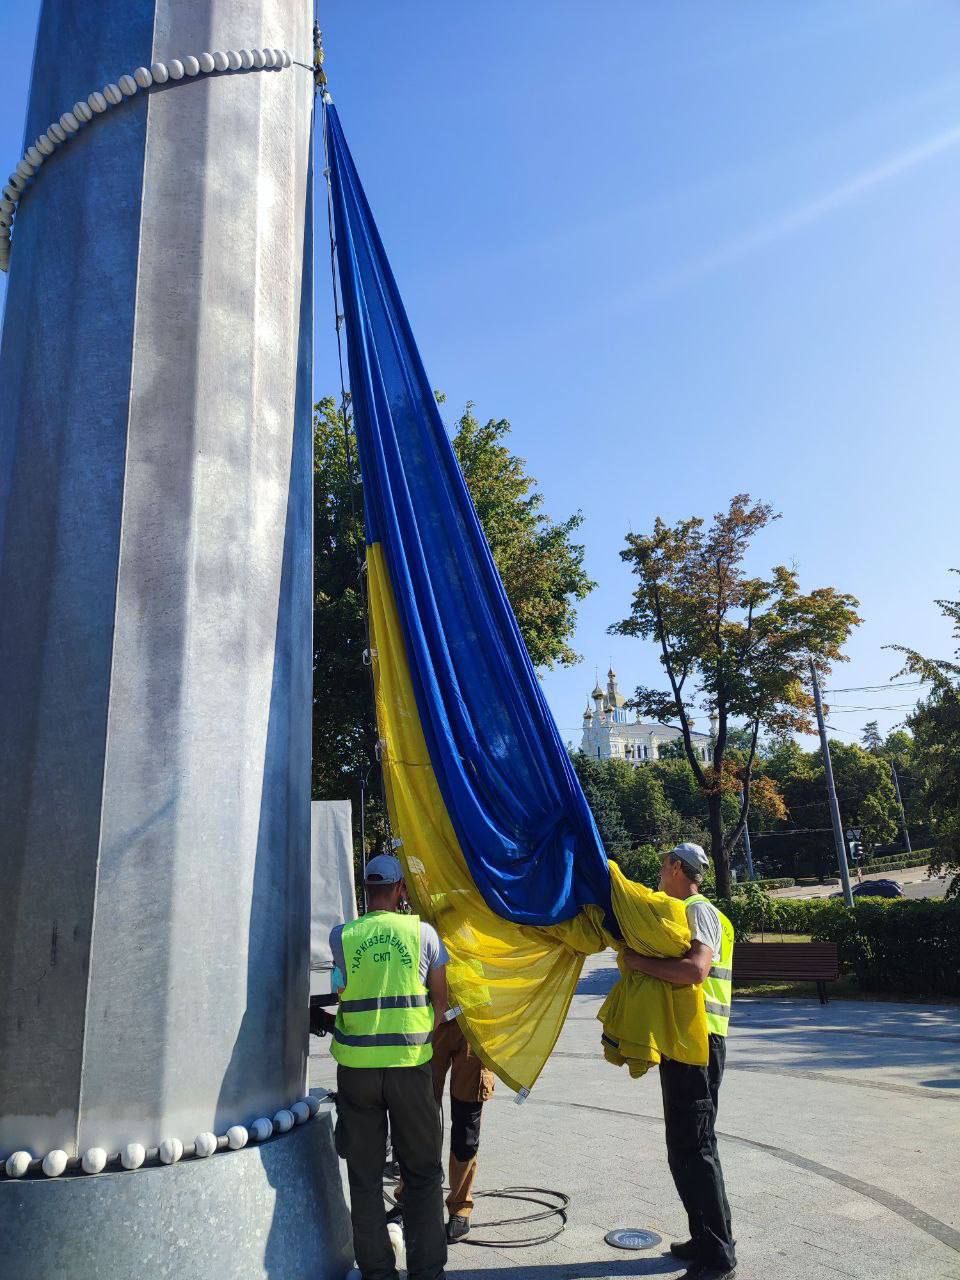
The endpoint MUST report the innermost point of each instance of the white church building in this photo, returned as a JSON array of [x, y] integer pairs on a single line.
[[609, 733]]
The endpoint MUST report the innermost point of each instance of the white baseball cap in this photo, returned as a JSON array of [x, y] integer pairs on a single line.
[[692, 855], [383, 869]]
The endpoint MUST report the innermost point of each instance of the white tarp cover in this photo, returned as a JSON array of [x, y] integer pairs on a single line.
[[332, 896]]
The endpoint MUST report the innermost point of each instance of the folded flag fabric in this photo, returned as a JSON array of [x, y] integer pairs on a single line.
[[643, 1018], [499, 847]]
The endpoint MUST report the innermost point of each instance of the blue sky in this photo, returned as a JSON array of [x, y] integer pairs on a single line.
[[689, 248]]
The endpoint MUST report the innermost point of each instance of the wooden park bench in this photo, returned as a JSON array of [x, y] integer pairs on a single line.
[[817, 962]]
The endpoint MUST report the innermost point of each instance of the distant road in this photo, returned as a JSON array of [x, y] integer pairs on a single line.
[[925, 888], [914, 880]]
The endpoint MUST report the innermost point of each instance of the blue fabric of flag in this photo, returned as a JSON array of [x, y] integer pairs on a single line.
[[509, 787]]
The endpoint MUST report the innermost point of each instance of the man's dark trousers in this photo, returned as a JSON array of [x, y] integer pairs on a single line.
[[690, 1097], [366, 1096]]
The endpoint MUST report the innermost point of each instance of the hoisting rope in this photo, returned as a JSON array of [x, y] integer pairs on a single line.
[[356, 518]]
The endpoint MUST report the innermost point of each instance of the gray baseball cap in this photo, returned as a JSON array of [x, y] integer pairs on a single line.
[[692, 855], [383, 869]]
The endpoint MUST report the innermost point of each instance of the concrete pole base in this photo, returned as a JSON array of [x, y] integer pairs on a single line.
[[269, 1212]]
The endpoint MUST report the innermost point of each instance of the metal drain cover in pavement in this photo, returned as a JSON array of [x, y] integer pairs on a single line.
[[632, 1238]]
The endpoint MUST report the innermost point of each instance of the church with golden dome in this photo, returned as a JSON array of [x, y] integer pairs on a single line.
[[609, 733]]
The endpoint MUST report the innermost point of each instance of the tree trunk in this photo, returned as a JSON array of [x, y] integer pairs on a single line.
[[721, 859]]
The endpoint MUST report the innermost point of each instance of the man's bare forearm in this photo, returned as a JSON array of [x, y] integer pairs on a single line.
[[683, 971]]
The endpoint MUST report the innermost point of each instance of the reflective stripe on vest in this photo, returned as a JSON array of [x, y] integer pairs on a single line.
[[385, 1018], [718, 984]]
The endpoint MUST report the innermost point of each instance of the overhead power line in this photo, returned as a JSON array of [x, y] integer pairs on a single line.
[[901, 706], [879, 688]]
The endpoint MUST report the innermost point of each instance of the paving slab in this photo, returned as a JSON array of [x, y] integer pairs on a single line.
[[840, 1128]]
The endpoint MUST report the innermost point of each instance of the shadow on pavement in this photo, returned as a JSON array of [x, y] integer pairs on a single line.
[[637, 1265], [598, 982]]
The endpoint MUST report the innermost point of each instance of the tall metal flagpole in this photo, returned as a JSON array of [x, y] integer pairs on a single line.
[[155, 653], [831, 791]]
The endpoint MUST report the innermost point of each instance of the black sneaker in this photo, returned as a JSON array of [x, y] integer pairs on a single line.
[[686, 1250], [457, 1227], [699, 1272]]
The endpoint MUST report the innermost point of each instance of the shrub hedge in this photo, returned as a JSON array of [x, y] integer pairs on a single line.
[[898, 863], [908, 944]]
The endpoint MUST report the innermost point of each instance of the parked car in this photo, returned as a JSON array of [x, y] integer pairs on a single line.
[[875, 889]]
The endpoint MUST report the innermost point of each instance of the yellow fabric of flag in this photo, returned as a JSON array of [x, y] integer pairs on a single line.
[[513, 982]]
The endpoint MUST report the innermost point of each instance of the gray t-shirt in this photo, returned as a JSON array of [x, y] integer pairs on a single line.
[[432, 950], [705, 926]]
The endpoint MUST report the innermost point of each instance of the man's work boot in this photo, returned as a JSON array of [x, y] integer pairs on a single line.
[[685, 1250], [457, 1227]]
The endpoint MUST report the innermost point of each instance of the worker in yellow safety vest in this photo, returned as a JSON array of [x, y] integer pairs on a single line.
[[394, 994], [690, 1093]]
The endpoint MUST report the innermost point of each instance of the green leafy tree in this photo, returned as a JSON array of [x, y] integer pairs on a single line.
[[648, 815], [871, 737], [729, 642], [540, 564], [344, 727], [600, 790], [542, 569], [865, 794], [898, 749], [642, 864], [936, 748]]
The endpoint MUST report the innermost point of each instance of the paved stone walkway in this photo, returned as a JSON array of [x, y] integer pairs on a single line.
[[840, 1138]]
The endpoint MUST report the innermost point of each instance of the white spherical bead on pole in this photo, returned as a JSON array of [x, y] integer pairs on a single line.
[[170, 1151], [18, 1164], [205, 1144], [54, 1163], [283, 1121], [133, 1155], [94, 1160], [236, 1137]]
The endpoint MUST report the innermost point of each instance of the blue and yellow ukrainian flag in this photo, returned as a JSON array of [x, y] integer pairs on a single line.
[[499, 846]]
